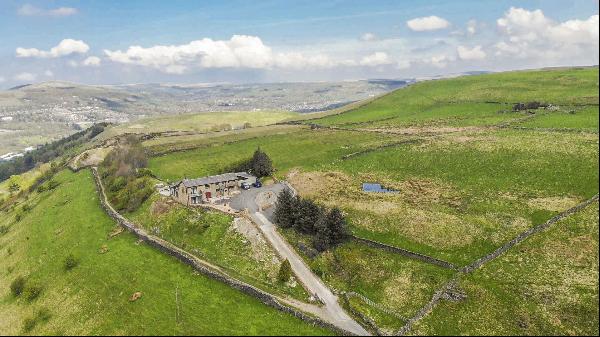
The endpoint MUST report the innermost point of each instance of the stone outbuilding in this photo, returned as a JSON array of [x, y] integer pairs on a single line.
[[209, 189]]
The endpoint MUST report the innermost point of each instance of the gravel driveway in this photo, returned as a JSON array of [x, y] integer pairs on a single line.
[[333, 311]]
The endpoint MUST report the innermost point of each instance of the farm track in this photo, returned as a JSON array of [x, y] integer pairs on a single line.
[[325, 317]]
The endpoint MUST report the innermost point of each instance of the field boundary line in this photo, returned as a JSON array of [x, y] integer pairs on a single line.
[[498, 252], [405, 252], [526, 234], [427, 308]]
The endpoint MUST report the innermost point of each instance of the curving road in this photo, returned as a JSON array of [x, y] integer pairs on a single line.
[[332, 310]]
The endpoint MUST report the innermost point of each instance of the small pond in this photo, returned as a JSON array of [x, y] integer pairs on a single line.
[[376, 188]]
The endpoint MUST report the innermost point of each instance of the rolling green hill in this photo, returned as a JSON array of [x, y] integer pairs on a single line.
[[470, 172], [471, 175], [93, 297], [475, 100]]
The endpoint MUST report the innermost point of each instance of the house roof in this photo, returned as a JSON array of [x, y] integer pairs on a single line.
[[214, 179]]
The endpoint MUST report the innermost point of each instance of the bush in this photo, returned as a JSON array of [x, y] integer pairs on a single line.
[[32, 292], [52, 184], [285, 271], [70, 262], [17, 286], [262, 166], [42, 315], [3, 230], [28, 324]]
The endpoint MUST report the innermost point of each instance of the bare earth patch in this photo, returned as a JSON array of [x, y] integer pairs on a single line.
[[555, 204], [261, 250]]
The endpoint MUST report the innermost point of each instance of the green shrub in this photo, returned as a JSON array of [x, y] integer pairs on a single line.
[[3, 230], [32, 292], [42, 315], [17, 286], [70, 262], [28, 324], [52, 184], [285, 271]]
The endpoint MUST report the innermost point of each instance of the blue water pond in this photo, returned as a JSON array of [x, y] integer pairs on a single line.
[[376, 188]]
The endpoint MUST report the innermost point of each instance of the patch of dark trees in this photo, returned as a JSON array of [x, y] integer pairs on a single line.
[[327, 227], [529, 106], [128, 182], [48, 152], [259, 165]]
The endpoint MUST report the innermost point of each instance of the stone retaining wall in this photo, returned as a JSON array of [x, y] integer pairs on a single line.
[[405, 252], [477, 264], [375, 305], [428, 307], [521, 237], [204, 267]]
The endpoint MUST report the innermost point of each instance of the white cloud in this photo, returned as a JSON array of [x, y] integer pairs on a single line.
[[2, 79], [30, 10], [25, 77], [439, 61], [427, 23], [367, 37], [376, 59], [92, 61], [241, 51], [471, 27], [48, 73], [466, 53], [64, 48], [403, 64], [530, 34]]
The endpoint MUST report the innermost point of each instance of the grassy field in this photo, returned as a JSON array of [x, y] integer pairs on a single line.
[[547, 285], [24, 180], [93, 297], [473, 100], [512, 181], [576, 118], [470, 174], [212, 236], [308, 148], [201, 122], [400, 284], [163, 145]]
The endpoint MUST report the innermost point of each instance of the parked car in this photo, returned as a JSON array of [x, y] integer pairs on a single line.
[[257, 184], [245, 186]]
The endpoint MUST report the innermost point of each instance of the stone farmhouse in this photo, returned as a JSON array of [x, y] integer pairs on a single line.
[[209, 189]]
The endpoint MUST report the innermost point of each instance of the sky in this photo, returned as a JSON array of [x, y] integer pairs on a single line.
[[239, 41]]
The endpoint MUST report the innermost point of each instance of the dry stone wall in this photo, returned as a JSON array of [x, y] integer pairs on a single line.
[[204, 267]]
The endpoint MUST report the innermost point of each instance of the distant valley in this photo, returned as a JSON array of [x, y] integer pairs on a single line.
[[31, 115]]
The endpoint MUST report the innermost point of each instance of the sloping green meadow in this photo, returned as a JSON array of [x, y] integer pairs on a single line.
[[456, 100], [548, 285], [494, 182], [93, 297], [470, 173], [305, 148]]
